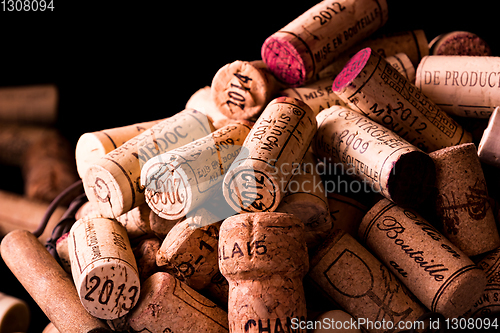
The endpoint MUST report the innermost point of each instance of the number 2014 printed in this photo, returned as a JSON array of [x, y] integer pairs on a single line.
[[27, 5]]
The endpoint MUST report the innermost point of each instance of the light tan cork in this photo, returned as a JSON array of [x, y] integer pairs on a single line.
[[33, 104], [63, 253], [14, 314], [103, 267], [488, 149], [92, 146], [370, 85], [441, 276], [48, 284], [297, 52], [351, 276], [463, 204], [402, 63], [372, 153], [278, 141], [113, 182], [182, 179], [169, 305], [461, 43], [242, 89], [202, 101], [264, 258], [465, 86]]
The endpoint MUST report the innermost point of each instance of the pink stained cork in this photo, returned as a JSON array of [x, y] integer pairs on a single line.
[[351, 70]]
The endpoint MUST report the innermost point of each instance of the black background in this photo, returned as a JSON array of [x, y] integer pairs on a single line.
[[116, 64]]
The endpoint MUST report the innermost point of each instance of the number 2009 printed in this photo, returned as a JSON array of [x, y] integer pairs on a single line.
[[27, 5]]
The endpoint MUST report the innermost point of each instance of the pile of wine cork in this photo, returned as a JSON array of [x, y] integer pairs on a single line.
[[332, 181]]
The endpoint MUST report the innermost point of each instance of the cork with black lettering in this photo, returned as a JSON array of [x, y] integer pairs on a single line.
[[437, 272], [463, 204], [264, 258]]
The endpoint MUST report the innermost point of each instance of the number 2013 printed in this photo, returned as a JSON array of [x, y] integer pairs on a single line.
[[27, 5]]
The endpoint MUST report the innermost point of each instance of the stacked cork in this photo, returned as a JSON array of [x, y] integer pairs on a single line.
[[329, 182]]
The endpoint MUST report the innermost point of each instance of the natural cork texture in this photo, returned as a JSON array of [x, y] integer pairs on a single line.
[[278, 141], [392, 166], [202, 101], [346, 213], [441, 276], [182, 179], [14, 314], [300, 50], [489, 147], [351, 276], [264, 258], [113, 182], [169, 305], [47, 283], [29, 104], [463, 204], [465, 86], [103, 267], [403, 65], [461, 43], [370, 85], [242, 89]]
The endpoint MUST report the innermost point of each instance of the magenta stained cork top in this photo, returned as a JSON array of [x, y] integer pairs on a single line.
[[351, 69]]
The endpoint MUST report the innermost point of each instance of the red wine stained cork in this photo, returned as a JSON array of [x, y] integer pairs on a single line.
[[113, 182], [346, 213], [104, 267], [242, 89], [336, 321], [202, 101], [92, 146], [350, 275], [14, 314], [299, 51], [463, 204], [370, 85], [441, 276], [169, 305], [489, 147], [465, 86], [264, 258], [306, 199], [374, 154], [412, 43], [191, 249], [181, 179], [461, 43], [48, 284], [278, 140], [33, 104], [317, 95], [403, 65]]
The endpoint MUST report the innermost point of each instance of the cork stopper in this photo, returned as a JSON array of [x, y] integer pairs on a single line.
[[14, 314], [202, 101], [462, 43], [489, 147], [337, 320], [29, 104], [402, 63]]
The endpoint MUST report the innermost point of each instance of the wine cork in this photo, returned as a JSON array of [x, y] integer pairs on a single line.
[[336, 321], [191, 248], [465, 86], [50, 328], [242, 89], [463, 203], [317, 95], [413, 43], [278, 141], [202, 101], [15, 140], [370, 85], [169, 305], [181, 179], [402, 63], [363, 286], [113, 182], [104, 268], [441, 276], [391, 165], [63, 253], [346, 213], [48, 284], [145, 255], [306, 199], [489, 147], [18, 212], [160, 226], [33, 104], [461, 43], [264, 258], [300, 50], [92, 146], [14, 314]]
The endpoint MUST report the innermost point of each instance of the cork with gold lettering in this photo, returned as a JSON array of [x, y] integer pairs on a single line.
[[264, 258], [297, 52], [103, 267], [278, 141], [437, 272], [393, 167], [463, 204], [370, 85], [353, 278]]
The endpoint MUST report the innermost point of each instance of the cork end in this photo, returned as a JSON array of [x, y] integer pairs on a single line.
[[284, 60], [351, 70], [460, 43]]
